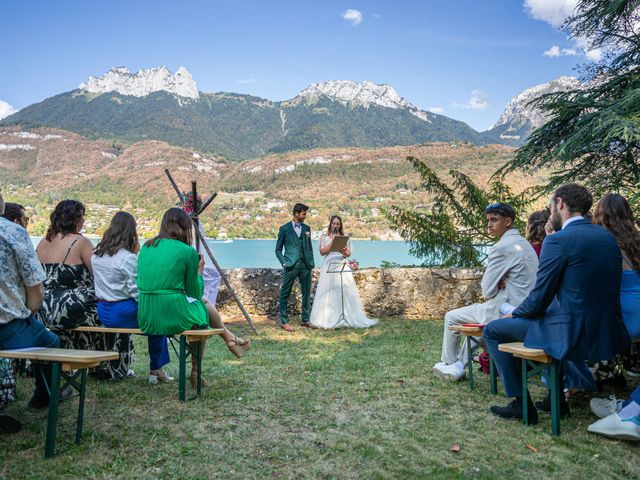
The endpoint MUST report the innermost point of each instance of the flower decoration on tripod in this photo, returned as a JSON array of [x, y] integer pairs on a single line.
[[186, 203], [353, 264]]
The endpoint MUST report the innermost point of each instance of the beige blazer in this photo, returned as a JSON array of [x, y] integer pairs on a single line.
[[513, 260]]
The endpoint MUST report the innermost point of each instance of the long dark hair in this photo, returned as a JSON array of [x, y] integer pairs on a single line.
[[121, 233], [66, 218], [333, 217], [176, 224], [614, 213], [535, 225]]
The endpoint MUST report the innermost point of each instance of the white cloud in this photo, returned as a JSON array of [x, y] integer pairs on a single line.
[[554, 12], [594, 55], [478, 100], [438, 110], [6, 109], [556, 51], [354, 17], [247, 81]]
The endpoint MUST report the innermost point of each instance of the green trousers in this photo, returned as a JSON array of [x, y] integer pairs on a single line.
[[289, 275]]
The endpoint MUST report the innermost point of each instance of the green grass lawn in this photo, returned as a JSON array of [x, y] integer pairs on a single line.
[[313, 404]]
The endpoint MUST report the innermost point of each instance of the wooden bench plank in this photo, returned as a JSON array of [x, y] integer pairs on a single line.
[[101, 329], [61, 355], [473, 331], [136, 331], [517, 349]]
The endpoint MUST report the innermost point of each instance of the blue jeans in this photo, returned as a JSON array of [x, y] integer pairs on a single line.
[[25, 333], [124, 314], [505, 330]]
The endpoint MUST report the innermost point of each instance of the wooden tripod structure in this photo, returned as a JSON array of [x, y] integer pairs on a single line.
[[201, 241]]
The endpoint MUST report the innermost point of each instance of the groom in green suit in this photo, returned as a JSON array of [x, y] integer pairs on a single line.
[[297, 262]]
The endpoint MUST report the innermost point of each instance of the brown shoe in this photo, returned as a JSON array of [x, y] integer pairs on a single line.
[[287, 328], [309, 325]]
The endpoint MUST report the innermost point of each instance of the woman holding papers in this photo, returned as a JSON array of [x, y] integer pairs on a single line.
[[330, 294]]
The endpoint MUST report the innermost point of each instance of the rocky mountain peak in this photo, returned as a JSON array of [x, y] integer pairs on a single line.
[[364, 93], [120, 80], [518, 112]]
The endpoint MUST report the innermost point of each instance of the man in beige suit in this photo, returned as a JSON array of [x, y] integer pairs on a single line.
[[509, 276]]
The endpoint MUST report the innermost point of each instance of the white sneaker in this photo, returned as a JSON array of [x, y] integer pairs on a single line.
[[603, 407], [449, 372], [159, 375], [614, 427]]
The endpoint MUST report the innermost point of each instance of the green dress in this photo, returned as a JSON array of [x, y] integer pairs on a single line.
[[167, 277]]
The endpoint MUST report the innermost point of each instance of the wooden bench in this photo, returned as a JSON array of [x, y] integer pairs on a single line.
[[186, 338], [68, 365], [473, 344], [539, 361]]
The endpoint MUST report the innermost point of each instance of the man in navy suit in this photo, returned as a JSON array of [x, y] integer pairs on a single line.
[[573, 312]]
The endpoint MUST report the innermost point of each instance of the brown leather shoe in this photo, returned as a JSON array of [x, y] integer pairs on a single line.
[[286, 327], [309, 325]]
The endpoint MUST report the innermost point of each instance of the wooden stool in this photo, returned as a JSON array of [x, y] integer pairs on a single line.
[[539, 361], [473, 344]]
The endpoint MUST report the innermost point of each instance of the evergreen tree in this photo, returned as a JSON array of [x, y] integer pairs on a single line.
[[452, 232], [592, 134]]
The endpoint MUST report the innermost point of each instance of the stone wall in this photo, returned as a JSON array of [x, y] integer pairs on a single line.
[[412, 293]]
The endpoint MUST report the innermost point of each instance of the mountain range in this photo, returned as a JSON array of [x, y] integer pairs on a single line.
[[155, 104]]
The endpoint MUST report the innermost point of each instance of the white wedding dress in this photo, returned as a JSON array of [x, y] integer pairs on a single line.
[[327, 303]]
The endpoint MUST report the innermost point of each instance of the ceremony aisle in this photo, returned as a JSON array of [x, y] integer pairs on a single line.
[[314, 404]]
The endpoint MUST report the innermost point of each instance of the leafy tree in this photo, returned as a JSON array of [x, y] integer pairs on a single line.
[[592, 134], [452, 231]]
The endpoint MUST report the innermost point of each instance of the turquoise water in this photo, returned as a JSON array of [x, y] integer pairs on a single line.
[[261, 253]]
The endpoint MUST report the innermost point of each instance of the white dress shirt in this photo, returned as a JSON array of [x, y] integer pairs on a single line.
[[115, 277], [572, 219], [297, 228]]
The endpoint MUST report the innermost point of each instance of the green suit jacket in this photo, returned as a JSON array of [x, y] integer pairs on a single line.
[[294, 246]]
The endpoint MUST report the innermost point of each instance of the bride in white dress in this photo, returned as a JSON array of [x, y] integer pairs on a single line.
[[327, 303]]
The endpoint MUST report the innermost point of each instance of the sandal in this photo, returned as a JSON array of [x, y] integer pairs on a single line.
[[193, 380], [238, 346]]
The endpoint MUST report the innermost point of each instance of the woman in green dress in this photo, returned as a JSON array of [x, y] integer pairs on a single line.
[[171, 287]]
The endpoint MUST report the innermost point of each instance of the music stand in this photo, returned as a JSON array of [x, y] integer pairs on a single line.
[[340, 267]]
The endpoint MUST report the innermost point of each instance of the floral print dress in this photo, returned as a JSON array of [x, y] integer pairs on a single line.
[[70, 301]]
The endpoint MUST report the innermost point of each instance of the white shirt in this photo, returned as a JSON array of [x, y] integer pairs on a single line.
[[572, 219], [297, 228], [115, 277]]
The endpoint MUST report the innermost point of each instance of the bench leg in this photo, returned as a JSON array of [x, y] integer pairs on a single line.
[[52, 420], [470, 361], [199, 364], [83, 389], [554, 382], [493, 381], [182, 374], [525, 393]]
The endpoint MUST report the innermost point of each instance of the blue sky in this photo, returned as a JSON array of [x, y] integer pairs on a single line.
[[434, 52]]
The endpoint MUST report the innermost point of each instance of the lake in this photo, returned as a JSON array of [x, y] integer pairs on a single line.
[[261, 253]]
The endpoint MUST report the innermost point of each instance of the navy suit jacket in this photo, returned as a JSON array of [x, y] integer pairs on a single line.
[[575, 306]]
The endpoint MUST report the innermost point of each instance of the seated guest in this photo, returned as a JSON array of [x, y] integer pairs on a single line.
[[14, 212], [619, 419], [115, 273], [171, 287], [535, 231], [573, 312], [69, 297], [614, 213], [510, 274], [21, 295]]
